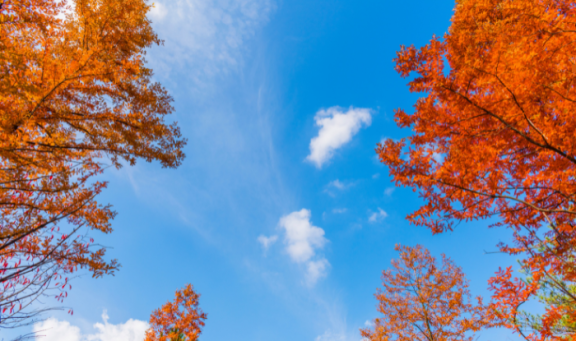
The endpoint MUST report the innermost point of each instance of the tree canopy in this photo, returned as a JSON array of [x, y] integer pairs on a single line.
[[425, 300], [75, 97], [179, 320], [492, 137]]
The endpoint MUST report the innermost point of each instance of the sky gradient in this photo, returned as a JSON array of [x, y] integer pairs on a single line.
[[281, 215]]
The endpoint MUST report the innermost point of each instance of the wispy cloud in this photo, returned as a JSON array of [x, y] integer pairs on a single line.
[[267, 241], [338, 328], [206, 47], [302, 241], [388, 191], [337, 127], [377, 216], [330, 335], [55, 330], [337, 186], [339, 210], [204, 38]]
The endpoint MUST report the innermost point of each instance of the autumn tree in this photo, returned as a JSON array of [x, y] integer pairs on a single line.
[[179, 320], [424, 300], [493, 137], [75, 97]]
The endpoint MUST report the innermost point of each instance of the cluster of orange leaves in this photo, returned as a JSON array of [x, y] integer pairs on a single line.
[[493, 137], [75, 94], [178, 320], [423, 300]]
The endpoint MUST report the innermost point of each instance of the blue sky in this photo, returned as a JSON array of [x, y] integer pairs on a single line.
[[280, 216]]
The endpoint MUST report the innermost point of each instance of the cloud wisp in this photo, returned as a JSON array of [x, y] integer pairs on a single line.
[[204, 38], [302, 241], [337, 127], [377, 216], [267, 241], [336, 186], [340, 185], [55, 330]]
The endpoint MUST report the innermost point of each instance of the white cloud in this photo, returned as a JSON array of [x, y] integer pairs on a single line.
[[132, 330], [316, 270], [336, 129], [377, 216], [267, 241], [302, 240], [388, 191], [54, 330], [204, 38], [339, 210], [335, 186], [376, 176], [338, 184]]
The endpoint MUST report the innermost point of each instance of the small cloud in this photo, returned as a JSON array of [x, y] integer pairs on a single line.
[[376, 176], [267, 241], [337, 184], [302, 238], [336, 129], [369, 324], [377, 216], [302, 242], [388, 191], [316, 270], [339, 210]]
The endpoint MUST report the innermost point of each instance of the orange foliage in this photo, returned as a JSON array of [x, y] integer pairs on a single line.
[[423, 300], [74, 92], [494, 136], [180, 320]]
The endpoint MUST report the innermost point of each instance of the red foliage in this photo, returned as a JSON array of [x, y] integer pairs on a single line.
[[493, 136], [179, 320]]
